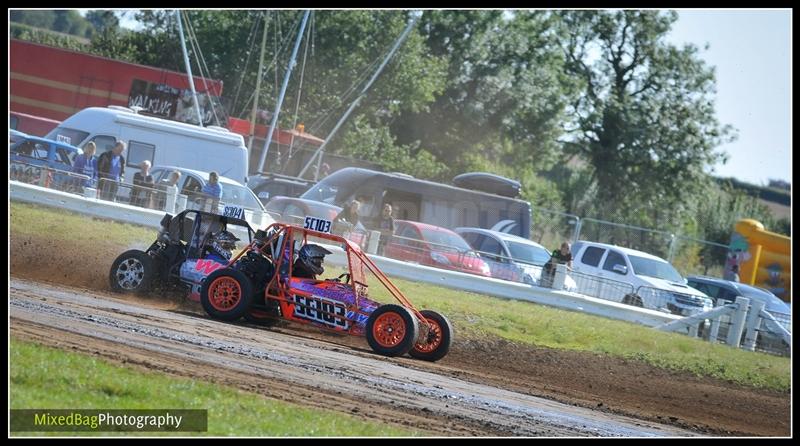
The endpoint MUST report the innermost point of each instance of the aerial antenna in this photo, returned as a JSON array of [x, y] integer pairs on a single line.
[[361, 96], [189, 70], [292, 63]]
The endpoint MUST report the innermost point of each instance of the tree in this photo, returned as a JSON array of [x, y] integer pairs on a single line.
[[645, 120], [504, 94], [39, 19], [103, 20]]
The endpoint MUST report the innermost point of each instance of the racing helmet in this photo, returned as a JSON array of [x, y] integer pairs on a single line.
[[311, 257], [223, 243]]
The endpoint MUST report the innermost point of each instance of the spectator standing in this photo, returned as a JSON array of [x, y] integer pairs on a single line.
[[213, 189], [559, 256], [385, 226], [143, 185], [86, 164], [111, 171], [732, 274]]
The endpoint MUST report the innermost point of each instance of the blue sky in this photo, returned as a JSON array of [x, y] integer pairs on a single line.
[[751, 50]]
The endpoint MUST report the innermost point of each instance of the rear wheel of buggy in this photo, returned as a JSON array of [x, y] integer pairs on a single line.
[[392, 330], [226, 294], [132, 272], [437, 343]]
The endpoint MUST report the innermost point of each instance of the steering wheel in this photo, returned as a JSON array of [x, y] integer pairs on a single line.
[[339, 279]]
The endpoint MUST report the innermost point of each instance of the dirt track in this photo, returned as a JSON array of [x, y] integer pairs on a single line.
[[489, 387], [316, 372]]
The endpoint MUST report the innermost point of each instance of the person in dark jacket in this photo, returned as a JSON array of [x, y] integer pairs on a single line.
[[143, 185], [111, 170], [385, 226], [562, 256]]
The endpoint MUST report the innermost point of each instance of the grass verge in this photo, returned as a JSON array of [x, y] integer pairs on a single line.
[[44, 377]]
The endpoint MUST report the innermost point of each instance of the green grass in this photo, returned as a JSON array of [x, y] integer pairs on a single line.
[[49, 378], [39, 221], [475, 316]]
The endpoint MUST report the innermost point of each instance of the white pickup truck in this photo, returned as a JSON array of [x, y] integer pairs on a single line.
[[655, 283]]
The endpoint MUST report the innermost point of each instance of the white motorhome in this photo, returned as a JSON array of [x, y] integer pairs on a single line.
[[160, 141]]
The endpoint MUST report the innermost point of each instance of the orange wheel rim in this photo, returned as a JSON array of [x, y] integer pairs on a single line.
[[224, 293], [389, 329], [434, 338]]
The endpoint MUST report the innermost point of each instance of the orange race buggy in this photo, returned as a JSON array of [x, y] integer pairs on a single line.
[[263, 285]]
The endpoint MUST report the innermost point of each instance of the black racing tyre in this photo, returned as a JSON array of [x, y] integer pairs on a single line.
[[438, 341], [392, 330], [226, 294], [632, 299], [132, 272]]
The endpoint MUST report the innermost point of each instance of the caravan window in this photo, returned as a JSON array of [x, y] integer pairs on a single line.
[[138, 152]]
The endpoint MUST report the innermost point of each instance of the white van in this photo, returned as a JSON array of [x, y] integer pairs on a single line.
[[160, 141]]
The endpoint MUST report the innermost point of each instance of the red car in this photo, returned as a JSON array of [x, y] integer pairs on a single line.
[[434, 246]]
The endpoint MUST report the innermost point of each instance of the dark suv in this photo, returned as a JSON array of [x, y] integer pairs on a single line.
[[725, 291]]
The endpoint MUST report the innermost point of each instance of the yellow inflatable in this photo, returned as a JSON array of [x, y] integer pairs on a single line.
[[763, 258]]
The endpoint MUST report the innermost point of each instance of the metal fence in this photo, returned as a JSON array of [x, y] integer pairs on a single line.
[[551, 228], [767, 340], [689, 255], [156, 198]]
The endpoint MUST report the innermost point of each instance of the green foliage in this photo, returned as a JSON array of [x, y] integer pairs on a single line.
[[61, 20], [45, 37], [377, 144], [645, 120], [502, 86], [103, 20]]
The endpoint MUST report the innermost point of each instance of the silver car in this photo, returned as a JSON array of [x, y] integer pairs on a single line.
[[511, 257]]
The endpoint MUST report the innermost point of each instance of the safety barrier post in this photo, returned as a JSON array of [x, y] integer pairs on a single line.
[[172, 196], [90, 192], [180, 203], [737, 326], [374, 239], [560, 277], [715, 323], [752, 324]]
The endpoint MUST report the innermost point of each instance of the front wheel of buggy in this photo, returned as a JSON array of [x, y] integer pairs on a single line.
[[226, 294], [392, 330], [132, 272], [437, 343]]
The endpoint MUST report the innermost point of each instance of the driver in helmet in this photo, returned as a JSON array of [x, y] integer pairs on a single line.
[[309, 261], [220, 246]]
